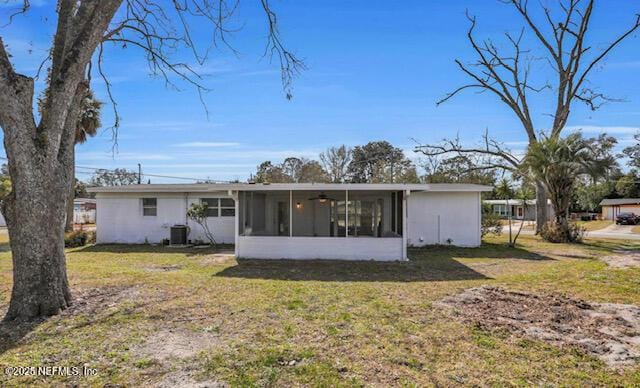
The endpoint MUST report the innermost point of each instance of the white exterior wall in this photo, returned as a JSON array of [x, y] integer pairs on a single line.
[[432, 218], [435, 217], [119, 218], [306, 248]]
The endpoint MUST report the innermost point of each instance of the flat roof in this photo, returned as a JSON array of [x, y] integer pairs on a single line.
[[620, 201], [511, 201], [208, 187]]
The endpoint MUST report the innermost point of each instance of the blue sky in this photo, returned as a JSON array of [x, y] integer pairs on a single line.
[[375, 72]]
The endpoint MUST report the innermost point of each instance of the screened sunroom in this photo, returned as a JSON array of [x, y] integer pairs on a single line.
[[358, 224]]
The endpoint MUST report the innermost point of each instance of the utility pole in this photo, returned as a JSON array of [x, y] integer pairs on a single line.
[[139, 173]]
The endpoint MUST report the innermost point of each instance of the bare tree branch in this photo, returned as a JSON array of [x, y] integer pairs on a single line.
[[491, 154], [290, 65], [508, 75], [19, 11]]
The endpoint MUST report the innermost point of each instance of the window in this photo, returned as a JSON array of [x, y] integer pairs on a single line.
[[223, 207], [149, 206], [500, 210], [227, 207], [212, 206]]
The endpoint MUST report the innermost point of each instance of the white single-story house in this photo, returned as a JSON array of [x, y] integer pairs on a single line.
[[612, 207], [84, 211], [298, 221], [518, 209]]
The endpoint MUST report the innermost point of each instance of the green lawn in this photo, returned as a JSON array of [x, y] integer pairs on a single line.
[[151, 315], [594, 225]]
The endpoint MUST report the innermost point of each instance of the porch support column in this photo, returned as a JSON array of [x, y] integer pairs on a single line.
[[404, 224], [346, 213], [290, 213], [236, 197]]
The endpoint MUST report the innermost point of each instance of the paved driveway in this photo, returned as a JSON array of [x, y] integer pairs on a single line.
[[615, 231], [612, 231]]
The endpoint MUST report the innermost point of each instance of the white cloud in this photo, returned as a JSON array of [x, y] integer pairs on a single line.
[[207, 144]]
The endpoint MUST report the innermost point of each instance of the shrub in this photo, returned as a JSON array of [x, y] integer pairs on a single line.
[[198, 213], [79, 238], [490, 221], [556, 233]]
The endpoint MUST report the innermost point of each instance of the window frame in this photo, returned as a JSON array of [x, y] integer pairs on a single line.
[[214, 204], [210, 207], [222, 208], [153, 207]]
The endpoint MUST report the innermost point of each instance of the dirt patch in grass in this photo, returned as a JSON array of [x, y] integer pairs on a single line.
[[163, 268], [94, 301], [610, 332], [623, 259], [184, 380], [217, 258], [95, 304], [177, 343]]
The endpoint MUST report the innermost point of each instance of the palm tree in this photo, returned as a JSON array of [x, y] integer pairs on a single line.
[[557, 163], [504, 191], [86, 127]]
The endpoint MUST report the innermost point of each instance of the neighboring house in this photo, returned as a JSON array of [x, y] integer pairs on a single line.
[[612, 207], [298, 221], [517, 209], [84, 211]]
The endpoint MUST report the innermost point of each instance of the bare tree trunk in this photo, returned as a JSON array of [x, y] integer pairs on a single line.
[[541, 206], [35, 213]]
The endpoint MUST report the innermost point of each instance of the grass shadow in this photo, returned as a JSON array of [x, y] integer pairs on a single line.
[[609, 244], [488, 250], [440, 269], [148, 248], [12, 332], [433, 263]]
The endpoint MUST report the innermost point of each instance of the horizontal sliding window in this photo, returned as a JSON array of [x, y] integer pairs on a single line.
[[220, 207]]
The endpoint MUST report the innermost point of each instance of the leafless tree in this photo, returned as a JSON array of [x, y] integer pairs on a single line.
[[40, 150], [507, 75], [336, 162]]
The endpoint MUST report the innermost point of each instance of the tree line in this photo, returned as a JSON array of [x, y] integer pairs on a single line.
[[374, 162]]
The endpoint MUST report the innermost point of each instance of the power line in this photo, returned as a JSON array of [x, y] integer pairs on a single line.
[[96, 169]]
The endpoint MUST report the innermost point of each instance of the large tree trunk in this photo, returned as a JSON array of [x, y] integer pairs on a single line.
[[35, 213], [36, 232], [40, 157], [541, 206]]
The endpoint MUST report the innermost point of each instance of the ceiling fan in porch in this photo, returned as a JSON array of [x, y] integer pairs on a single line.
[[322, 198]]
